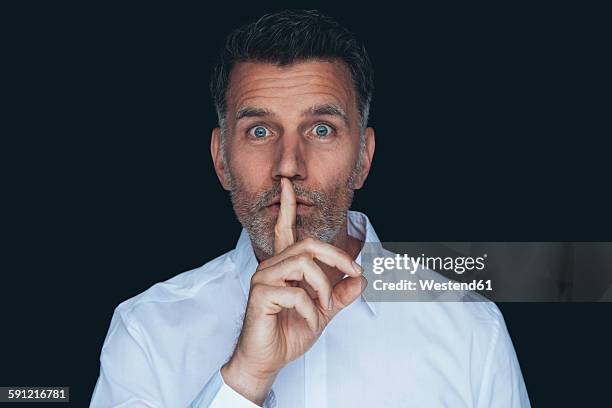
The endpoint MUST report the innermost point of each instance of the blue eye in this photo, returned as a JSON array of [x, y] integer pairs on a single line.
[[259, 132], [322, 130]]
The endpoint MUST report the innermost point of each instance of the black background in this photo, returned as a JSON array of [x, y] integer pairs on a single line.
[[489, 127]]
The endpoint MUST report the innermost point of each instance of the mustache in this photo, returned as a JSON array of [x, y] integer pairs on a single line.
[[265, 198]]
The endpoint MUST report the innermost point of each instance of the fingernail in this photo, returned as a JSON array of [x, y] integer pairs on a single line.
[[357, 268], [330, 304]]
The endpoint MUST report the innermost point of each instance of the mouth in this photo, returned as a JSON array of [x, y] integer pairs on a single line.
[[303, 206]]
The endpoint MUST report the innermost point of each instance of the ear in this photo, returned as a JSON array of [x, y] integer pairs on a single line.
[[217, 154], [368, 155]]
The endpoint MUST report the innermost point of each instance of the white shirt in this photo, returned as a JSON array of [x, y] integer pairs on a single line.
[[165, 348]]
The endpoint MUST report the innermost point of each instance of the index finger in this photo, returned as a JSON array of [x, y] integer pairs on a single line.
[[284, 230]]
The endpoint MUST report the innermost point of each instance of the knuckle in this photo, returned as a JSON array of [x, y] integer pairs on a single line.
[[254, 279], [257, 290], [342, 255], [288, 261], [304, 260]]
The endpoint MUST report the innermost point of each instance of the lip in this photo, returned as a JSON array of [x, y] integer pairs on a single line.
[[302, 206], [298, 201]]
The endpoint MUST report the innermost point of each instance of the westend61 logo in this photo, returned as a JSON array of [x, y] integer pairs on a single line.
[[459, 264]]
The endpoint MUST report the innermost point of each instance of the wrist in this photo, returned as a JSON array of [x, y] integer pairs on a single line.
[[254, 385]]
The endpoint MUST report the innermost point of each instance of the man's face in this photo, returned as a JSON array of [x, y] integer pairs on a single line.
[[300, 122]]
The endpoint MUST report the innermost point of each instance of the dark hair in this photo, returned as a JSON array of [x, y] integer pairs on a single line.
[[290, 36]]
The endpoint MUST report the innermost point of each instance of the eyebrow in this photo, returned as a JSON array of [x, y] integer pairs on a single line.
[[252, 112], [328, 109]]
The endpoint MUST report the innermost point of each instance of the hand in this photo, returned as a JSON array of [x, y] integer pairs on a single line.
[[282, 321]]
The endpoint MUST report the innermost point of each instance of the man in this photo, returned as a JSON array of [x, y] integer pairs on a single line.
[[281, 320]]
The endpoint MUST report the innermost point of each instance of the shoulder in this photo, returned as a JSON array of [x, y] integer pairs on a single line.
[[463, 305], [180, 288]]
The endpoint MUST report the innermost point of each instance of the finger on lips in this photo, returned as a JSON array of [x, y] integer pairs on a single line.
[[284, 230], [296, 262]]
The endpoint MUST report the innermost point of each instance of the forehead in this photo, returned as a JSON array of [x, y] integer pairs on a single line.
[[301, 83]]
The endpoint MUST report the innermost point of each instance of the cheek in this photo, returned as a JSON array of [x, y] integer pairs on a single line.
[[252, 169], [330, 168]]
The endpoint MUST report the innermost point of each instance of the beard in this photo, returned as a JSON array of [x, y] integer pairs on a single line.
[[323, 221]]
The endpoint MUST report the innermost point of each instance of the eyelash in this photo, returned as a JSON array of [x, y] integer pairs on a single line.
[[250, 130], [311, 130], [333, 129]]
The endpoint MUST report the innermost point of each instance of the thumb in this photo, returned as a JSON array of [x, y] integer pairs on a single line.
[[346, 292]]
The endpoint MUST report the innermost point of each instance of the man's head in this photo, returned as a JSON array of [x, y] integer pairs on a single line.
[[292, 92]]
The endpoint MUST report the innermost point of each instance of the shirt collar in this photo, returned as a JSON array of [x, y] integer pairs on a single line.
[[358, 226]]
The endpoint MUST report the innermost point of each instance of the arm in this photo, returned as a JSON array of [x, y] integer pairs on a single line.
[[281, 323], [502, 383], [128, 379], [126, 376]]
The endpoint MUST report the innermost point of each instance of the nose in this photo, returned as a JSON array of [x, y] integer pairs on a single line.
[[289, 160]]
